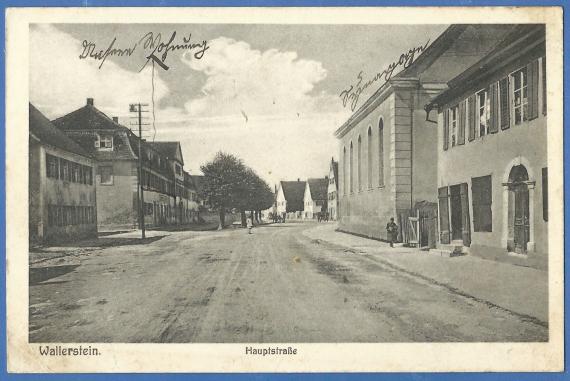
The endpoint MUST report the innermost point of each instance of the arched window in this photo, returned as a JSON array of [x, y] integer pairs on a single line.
[[359, 163], [351, 169], [381, 153], [344, 178], [369, 163]]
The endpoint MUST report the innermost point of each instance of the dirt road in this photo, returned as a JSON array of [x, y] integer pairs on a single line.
[[275, 285]]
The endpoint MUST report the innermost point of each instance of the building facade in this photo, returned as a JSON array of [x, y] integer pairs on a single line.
[[492, 153], [62, 198], [315, 197], [116, 152], [388, 159], [332, 191], [289, 199]]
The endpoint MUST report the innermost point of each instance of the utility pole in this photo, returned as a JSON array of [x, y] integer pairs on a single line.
[[138, 109]]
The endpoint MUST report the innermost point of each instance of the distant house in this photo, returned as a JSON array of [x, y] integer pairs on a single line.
[[388, 156], [289, 198], [116, 151], [62, 199], [492, 180], [315, 197], [332, 190]]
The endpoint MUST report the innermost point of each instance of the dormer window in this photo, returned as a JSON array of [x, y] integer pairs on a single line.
[[104, 142]]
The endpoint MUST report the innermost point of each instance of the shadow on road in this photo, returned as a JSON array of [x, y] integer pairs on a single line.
[[105, 242], [40, 274]]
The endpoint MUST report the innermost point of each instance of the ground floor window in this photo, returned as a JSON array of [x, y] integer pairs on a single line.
[[66, 215]]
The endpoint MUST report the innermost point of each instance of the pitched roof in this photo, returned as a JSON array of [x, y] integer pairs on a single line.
[[334, 165], [294, 192], [43, 130], [87, 117], [318, 188], [168, 149]]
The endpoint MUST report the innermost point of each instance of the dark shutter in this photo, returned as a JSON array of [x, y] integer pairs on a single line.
[[504, 103], [461, 124], [532, 88], [472, 110], [443, 197], [545, 194], [544, 94], [481, 189], [445, 129], [466, 225], [494, 101]]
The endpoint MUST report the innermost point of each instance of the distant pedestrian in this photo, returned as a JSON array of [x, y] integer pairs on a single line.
[[249, 225], [392, 229]]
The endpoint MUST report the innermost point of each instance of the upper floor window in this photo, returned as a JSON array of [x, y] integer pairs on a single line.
[[106, 175], [178, 169], [453, 123], [519, 95], [483, 114], [104, 141]]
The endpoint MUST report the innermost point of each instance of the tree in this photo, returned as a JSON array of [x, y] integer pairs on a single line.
[[223, 178]]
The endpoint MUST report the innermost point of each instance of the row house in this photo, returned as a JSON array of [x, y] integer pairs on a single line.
[[289, 199], [332, 191], [492, 177], [388, 160], [115, 149], [315, 197], [62, 197]]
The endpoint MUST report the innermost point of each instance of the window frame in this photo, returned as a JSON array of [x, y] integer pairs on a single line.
[[111, 175], [523, 106], [482, 110], [453, 123]]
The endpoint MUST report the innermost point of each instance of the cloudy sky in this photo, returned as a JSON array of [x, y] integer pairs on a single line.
[[266, 93]]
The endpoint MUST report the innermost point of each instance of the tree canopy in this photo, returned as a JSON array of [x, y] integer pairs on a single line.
[[230, 184]]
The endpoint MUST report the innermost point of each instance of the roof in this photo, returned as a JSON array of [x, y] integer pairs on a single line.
[[294, 192], [334, 165], [43, 130], [522, 40], [168, 149], [318, 188], [87, 117]]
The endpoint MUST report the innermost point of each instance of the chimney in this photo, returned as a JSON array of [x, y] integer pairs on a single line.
[[116, 119], [89, 101]]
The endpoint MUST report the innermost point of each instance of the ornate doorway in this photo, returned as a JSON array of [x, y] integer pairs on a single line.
[[519, 207]]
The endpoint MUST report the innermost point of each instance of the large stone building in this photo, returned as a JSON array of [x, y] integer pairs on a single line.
[[492, 175], [388, 155], [116, 151], [62, 198]]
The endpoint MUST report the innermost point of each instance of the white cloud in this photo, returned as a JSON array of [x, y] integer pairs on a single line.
[[60, 81]]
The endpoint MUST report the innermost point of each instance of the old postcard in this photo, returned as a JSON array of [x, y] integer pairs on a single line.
[[284, 189]]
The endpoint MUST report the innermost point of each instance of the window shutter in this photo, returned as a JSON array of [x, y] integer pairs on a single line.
[[471, 116], [544, 95], [97, 143], [494, 102], [466, 220], [532, 88], [461, 132], [504, 103], [445, 129], [443, 196], [545, 194]]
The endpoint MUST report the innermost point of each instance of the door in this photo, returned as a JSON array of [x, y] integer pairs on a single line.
[[522, 221], [456, 215]]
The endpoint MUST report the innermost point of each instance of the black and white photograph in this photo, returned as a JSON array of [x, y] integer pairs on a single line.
[[274, 184]]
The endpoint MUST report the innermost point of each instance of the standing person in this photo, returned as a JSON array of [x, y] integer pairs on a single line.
[[392, 229], [249, 225]]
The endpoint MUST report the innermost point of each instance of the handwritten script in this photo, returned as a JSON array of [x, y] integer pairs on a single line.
[[351, 95], [154, 48]]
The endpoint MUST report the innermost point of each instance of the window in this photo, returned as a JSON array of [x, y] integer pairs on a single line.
[[74, 172], [545, 194], [381, 153], [483, 114], [52, 166], [369, 152], [482, 199], [520, 96], [359, 163], [344, 178], [106, 175], [178, 170], [64, 169], [453, 122], [106, 142]]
